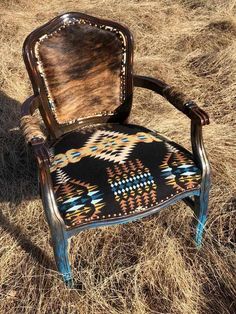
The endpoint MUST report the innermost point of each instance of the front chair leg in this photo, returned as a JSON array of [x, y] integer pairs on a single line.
[[201, 208], [56, 225], [201, 201], [61, 248]]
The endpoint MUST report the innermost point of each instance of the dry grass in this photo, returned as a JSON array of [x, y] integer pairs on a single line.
[[150, 266]]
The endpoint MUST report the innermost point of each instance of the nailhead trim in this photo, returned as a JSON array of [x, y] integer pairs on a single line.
[[74, 21], [138, 209]]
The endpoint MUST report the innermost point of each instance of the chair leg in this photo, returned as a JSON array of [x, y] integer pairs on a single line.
[[60, 248], [201, 208], [56, 225]]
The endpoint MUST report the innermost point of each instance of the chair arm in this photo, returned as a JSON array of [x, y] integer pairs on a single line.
[[189, 108], [33, 134], [175, 97]]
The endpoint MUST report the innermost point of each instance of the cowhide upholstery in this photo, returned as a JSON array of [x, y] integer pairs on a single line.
[[82, 68]]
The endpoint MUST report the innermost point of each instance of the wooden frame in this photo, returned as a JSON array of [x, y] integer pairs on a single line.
[[198, 199], [30, 58]]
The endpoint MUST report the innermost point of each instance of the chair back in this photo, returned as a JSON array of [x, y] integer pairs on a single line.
[[81, 67]]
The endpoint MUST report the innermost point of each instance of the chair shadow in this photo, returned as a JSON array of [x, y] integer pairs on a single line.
[[18, 175], [25, 243], [18, 171]]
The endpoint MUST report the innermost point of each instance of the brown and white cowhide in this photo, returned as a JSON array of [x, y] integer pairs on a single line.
[[82, 67]]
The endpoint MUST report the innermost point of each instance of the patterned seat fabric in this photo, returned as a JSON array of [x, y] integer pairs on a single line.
[[114, 171]]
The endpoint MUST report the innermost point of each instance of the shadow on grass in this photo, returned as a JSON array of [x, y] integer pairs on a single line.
[[18, 175], [18, 172], [25, 243]]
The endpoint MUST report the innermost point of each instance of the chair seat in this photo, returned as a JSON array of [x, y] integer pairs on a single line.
[[113, 171]]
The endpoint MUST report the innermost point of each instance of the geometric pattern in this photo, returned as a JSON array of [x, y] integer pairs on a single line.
[[179, 171], [112, 171], [107, 145], [133, 185], [77, 200]]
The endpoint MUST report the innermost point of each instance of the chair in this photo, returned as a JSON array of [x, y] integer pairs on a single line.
[[96, 169]]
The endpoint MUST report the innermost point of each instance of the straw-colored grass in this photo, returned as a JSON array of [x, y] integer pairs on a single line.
[[150, 266]]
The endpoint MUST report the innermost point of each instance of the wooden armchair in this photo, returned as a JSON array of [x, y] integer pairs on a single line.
[[95, 169]]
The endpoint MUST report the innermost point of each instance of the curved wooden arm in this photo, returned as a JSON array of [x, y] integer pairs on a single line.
[[29, 106], [189, 108], [31, 129], [175, 97]]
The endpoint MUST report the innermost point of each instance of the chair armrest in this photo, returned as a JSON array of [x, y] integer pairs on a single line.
[[33, 134], [175, 97], [189, 108]]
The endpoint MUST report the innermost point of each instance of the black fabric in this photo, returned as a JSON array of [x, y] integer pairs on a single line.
[[114, 170]]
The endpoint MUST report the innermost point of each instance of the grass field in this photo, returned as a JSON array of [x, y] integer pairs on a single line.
[[150, 266]]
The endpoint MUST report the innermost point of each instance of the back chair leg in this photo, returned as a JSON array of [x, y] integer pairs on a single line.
[[61, 248], [201, 208]]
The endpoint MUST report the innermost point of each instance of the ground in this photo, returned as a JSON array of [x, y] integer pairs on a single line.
[[150, 266]]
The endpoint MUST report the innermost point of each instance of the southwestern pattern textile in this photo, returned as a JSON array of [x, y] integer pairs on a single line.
[[112, 170]]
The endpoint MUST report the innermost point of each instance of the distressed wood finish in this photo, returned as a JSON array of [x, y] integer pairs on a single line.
[[178, 99], [57, 121], [198, 118], [202, 200]]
